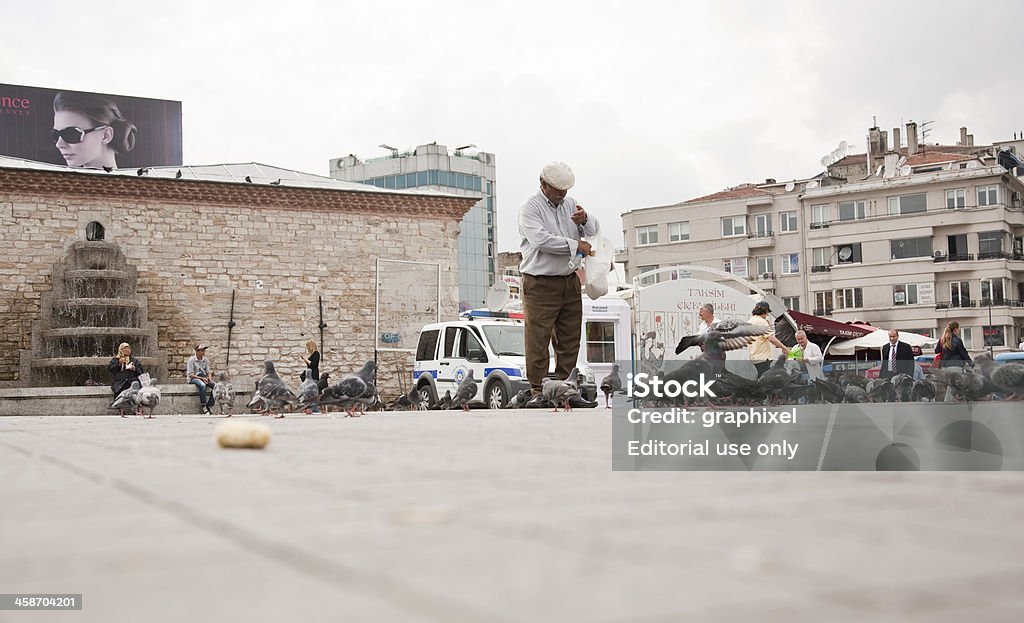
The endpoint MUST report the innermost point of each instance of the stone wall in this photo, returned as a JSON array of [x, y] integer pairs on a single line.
[[194, 243]]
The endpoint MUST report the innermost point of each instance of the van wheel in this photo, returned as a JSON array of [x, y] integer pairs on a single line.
[[428, 398], [497, 396]]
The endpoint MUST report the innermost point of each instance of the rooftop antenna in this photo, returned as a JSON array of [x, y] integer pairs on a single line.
[[924, 131], [394, 150]]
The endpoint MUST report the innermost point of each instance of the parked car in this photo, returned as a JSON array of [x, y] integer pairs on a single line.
[[1015, 357], [493, 348]]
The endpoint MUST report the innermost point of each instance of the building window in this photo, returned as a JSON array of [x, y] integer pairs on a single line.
[[908, 204], [905, 294], [823, 303], [852, 210], [792, 303], [960, 294], [787, 221], [820, 257], [990, 244], [820, 216], [763, 225], [765, 266], [849, 298], [601, 342], [956, 198], [910, 247], [790, 263], [967, 336], [736, 266], [678, 232], [994, 336], [992, 289], [988, 195], [734, 226], [647, 234], [649, 279], [848, 253]]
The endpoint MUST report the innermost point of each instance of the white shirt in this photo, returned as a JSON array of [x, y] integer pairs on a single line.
[[702, 327], [812, 353], [549, 237]]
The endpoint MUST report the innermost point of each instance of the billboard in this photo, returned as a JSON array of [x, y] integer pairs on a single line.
[[80, 129]]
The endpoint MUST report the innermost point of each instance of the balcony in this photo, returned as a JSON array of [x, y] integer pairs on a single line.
[[994, 255], [761, 239], [997, 302], [823, 268], [956, 303], [820, 225], [823, 311], [960, 257], [763, 277]]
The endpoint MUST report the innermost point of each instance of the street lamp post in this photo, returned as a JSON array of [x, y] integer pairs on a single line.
[[989, 321]]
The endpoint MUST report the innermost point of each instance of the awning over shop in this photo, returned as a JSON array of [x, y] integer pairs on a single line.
[[814, 325]]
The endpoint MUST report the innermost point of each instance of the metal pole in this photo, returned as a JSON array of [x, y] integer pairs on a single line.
[[322, 324], [231, 325], [989, 320]]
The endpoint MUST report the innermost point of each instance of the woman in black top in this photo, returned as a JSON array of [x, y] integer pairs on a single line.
[[951, 347], [312, 360], [124, 368]]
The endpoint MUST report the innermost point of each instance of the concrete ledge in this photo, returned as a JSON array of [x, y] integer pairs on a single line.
[[179, 398]]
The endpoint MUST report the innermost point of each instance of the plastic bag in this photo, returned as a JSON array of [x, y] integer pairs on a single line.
[[597, 266]]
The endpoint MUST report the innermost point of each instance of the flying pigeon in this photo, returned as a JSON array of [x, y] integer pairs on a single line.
[[148, 398], [722, 336], [224, 393], [465, 392], [127, 399], [611, 384], [274, 391], [308, 393]]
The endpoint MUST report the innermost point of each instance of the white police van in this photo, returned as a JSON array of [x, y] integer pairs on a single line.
[[493, 345]]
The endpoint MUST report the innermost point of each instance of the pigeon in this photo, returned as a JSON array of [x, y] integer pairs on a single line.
[[611, 384], [964, 383], [852, 392], [882, 391], [369, 399], [127, 400], [922, 389], [445, 401], [275, 183], [273, 390], [143, 171], [464, 393], [559, 393], [738, 389], [177, 175], [148, 398], [257, 401], [408, 402], [520, 399], [349, 389], [829, 391], [1007, 376], [108, 169], [724, 335], [248, 179], [224, 394], [903, 384], [776, 377], [323, 382], [308, 393]]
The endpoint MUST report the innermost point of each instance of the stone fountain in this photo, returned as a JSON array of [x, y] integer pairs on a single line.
[[92, 308]]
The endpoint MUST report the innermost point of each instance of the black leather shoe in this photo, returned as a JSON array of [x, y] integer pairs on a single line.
[[579, 402], [537, 402]]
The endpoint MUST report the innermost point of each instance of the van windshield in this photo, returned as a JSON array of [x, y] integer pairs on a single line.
[[507, 340]]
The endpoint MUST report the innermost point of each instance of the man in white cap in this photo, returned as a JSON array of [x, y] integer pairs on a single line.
[[199, 374], [552, 226]]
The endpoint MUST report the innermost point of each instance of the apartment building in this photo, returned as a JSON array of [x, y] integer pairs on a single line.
[[907, 237]]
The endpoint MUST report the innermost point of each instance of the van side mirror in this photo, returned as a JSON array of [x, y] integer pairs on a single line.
[[476, 355]]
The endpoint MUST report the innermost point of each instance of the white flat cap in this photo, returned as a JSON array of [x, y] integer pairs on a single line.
[[558, 175]]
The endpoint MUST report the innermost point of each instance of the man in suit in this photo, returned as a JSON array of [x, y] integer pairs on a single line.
[[897, 357]]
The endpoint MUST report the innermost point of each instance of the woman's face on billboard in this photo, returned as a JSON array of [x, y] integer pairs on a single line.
[[91, 149]]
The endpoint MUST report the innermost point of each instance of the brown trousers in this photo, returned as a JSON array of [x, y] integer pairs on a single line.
[[554, 315]]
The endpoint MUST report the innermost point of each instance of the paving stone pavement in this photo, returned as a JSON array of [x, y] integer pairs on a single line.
[[485, 516]]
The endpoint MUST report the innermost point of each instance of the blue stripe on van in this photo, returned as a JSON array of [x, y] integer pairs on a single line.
[[510, 372], [416, 375]]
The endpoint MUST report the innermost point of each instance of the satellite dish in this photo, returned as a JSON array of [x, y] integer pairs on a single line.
[[905, 170], [790, 186], [902, 161], [836, 154], [812, 184], [878, 173], [845, 253], [497, 296], [826, 160], [843, 146]]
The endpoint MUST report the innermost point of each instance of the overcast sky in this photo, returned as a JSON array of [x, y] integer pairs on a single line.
[[651, 103]]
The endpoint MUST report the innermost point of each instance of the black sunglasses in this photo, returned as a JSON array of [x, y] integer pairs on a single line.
[[72, 135]]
